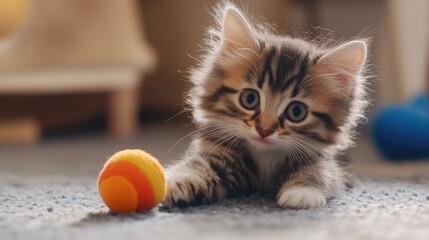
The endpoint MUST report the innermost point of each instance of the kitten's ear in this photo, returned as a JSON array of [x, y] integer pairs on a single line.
[[236, 31], [344, 63], [348, 58]]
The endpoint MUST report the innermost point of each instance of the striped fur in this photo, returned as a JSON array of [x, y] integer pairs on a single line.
[[295, 162]]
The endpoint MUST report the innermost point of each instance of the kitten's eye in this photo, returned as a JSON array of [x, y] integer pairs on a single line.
[[296, 112], [249, 99]]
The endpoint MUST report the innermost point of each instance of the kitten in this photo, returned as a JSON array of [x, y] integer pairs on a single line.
[[274, 116]]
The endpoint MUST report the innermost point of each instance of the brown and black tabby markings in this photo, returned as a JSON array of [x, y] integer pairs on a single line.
[[274, 116]]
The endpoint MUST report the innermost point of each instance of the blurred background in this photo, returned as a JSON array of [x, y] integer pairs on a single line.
[[81, 79]]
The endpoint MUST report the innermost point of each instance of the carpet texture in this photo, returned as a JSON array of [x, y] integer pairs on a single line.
[[70, 208], [48, 191]]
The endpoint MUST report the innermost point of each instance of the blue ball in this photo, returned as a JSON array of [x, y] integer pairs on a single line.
[[421, 102], [402, 132]]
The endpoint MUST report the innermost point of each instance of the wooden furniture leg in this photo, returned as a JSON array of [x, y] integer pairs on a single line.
[[122, 112], [25, 130]]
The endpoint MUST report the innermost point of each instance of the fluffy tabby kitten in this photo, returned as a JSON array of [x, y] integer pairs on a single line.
[[274, 115]]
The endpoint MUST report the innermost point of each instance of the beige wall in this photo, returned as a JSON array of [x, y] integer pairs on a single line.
[[408, 26]]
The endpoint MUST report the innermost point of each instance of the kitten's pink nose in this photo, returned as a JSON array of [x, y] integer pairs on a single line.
[[264, 132]]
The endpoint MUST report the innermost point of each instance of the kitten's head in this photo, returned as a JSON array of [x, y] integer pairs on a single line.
[[272, 90]]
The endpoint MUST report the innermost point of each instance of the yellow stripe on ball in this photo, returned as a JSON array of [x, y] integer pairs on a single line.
[[119, 194], [156, 178]]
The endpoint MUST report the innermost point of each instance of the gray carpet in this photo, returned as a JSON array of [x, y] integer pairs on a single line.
[[64, 208], [48, 191]]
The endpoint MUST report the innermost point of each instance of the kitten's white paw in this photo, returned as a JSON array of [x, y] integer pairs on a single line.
[[175, 193], [181, 189], [301, 197]]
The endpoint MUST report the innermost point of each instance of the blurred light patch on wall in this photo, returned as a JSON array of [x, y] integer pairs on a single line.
[[12, 13]]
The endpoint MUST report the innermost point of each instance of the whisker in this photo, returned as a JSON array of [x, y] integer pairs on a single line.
[[318, 150], [310, 162], [222, 140], [195, 131], [217, 143], [177, 114]]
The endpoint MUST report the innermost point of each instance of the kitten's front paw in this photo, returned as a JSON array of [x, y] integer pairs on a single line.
[[301, 197], [181, 190]]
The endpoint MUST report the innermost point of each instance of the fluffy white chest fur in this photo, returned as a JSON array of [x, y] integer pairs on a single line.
[[267, 161]]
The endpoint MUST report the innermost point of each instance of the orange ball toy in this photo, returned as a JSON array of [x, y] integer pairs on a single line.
[[132, 181]]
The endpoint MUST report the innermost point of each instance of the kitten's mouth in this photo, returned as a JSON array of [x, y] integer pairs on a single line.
[[261, 140]]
